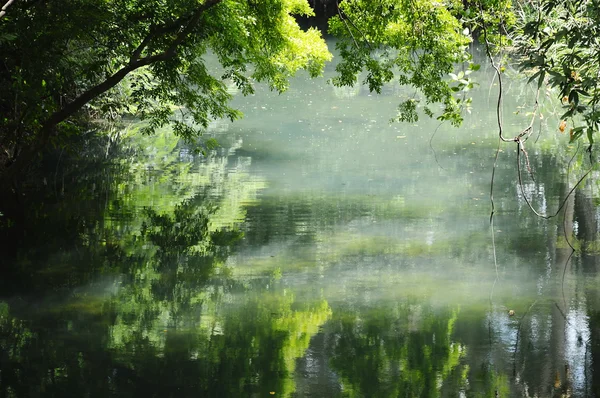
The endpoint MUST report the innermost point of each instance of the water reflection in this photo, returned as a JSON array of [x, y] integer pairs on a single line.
[[401, 349], [320, 251]]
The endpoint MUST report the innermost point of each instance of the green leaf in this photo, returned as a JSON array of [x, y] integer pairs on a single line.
[[541, 79], [576, 133], [534, 76], [574, 97]]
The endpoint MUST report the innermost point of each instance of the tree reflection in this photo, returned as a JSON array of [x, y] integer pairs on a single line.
[[400, 350], [133, 289], [136, 298], [243, 350]]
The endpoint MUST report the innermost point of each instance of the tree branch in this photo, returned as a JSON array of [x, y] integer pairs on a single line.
[[72, 107], [156, 31], [5, 7], [345, 19], [134, 63]]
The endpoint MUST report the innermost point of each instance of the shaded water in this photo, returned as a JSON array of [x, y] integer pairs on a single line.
[[320, 251]]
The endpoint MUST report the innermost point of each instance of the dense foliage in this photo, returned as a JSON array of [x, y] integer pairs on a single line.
[[559, 43], [67, 63], [417, 43], [66, 60]]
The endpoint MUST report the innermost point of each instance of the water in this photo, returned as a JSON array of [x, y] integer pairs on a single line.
[[319, 252]]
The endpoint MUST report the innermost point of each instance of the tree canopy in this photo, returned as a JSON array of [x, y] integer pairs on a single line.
[[558, 41], [67, 63], [62, 59]]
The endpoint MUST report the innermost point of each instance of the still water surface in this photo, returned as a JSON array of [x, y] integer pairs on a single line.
[[319, 252]]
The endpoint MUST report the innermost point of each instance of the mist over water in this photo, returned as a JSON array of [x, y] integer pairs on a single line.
[[320, 251]]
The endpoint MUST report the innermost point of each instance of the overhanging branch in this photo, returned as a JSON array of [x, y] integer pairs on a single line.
[[5, 7], [184, 26], [135, 63]]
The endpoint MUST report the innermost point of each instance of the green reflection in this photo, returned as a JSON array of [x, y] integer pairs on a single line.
[[362, 268], [237, 350], [155, 311], [404, 349]]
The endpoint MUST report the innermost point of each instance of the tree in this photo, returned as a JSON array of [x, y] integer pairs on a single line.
[[558, 41], [418, 43], [64, 60], [67, 61]]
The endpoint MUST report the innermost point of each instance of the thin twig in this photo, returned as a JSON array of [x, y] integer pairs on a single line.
[[565, 213], [518, 334], [564, 200], [526, 133], [562, 313], [431, 146], [499, 74], [353, 25], [347, 26], [495, 259], [562, 281], [493, 179], [527, 164], [498, 113]]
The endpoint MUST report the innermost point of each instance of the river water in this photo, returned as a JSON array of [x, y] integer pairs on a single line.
[[320, 251]]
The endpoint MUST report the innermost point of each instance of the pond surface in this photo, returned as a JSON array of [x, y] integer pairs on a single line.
[[319, 252]]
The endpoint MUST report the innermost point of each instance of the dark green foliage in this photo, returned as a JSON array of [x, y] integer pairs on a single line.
[[558, 42], [67, 61]]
